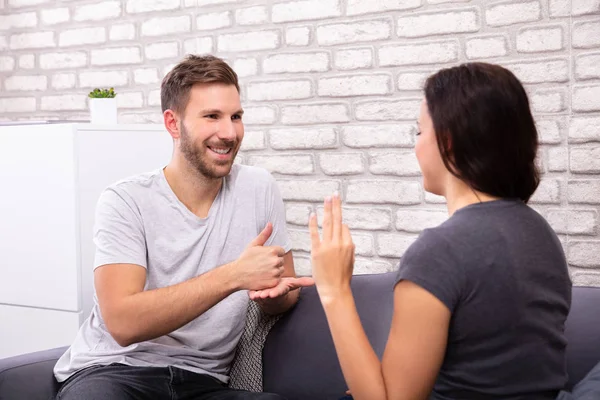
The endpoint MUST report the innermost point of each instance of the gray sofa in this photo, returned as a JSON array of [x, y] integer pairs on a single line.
[[299, 360]]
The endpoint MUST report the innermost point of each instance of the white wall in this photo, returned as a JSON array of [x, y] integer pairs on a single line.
[[331, 90]]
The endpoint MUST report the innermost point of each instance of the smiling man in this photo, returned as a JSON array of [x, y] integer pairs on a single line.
[[179, 253]]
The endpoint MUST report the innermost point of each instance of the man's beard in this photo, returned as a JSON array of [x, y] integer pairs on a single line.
[[199, 160]]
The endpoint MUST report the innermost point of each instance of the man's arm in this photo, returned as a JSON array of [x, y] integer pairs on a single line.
[[133, 315]]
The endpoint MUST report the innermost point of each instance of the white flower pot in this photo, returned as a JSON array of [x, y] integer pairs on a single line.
[[103, 111]]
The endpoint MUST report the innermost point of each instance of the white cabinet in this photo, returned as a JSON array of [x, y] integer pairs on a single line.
[[50, 180]]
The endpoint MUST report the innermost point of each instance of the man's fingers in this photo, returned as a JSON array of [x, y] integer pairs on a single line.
[[263, 236], [314, 231], [301, 282], [327, 219]]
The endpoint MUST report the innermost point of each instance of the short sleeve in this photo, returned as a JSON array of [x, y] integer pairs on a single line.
[[118, 232], [276, 215], [431, 263]]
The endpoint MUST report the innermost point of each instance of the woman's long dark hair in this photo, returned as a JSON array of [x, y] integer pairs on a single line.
[[484, 128]]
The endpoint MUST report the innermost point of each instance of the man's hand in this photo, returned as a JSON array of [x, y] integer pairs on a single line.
[[259, 266], [284, 287]]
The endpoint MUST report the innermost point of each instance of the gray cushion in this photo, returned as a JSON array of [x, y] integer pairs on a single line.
[[299, 359]]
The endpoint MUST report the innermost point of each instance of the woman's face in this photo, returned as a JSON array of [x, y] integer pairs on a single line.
[[435, 174]]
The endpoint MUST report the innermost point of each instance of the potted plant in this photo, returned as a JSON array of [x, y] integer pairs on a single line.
[[103, 106]]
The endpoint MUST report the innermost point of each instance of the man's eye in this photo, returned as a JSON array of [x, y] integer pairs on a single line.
[[214, 116], [237, 116]]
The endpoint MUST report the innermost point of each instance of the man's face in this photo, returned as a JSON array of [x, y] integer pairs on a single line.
[[212, 129]]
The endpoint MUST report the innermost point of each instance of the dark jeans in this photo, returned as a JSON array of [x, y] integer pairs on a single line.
[[122, 382]]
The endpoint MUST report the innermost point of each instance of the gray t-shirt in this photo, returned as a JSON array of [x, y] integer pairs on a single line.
[[141, 221], [500, 269]]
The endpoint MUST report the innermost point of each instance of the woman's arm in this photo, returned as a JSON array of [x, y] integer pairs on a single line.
[[418, 335]]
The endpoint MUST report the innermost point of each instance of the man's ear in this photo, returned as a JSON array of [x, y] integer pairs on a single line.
[[171, 121]]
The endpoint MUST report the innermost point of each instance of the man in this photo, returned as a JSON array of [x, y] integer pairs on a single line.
[[177, 249]]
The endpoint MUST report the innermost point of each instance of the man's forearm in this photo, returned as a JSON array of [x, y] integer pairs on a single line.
[[153, 313]]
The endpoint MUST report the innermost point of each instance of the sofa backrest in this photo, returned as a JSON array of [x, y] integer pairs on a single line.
[[299, 359]]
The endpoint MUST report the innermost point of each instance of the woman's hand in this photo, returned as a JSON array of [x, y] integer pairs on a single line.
[[333, 255]]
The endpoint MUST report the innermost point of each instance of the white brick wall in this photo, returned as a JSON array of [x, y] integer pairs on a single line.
[[331, 90]]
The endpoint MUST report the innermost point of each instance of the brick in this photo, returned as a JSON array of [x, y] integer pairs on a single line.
[[159, 51], [585, 278], [508, 13], [434, 198], [315, 113], [63, 60], [370, 218], [116, 56], [303, 138], [97, 12], [419, 53], [141, 118], [307, 190], [439, 23], [197, 3], [584, 7], [18, 20], [358, 7], [584, 129], [253, 140], [533, 40], [260, 115], [245, 67], [34, 40], [361, 136], [587, 66], [202, 45], [297, 36], [122, 32], [154, 98], [297, 214], [26, 83], [573, 222], [549, 131], [81, 36], [305, 10], [300, 240], [3, 43], [296, 62], [213, 21], [394, 244], [548, 101], [302, 265], [279, 90], [584, 253], [353, 32], [26, 3], [17, 104], [370, 266], [447, 1], [65, 80], [355, 85], [558, 159], [103, 79], [27, 61], [586, 98], [249, 41], [142, 6], [398, 163], [486, 47], [559, 8], [251, 15], [585, 34], [414, 80], [415, 221], [385, 110], [548, 192], [342, 163], [585, 160], [541, 71], [584, 191], [364, 244], [384, 191], [66, 102], [287, 164], [166, 26], [130, 100], [350, 59]]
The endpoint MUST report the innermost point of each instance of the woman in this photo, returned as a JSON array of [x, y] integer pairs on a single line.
[[480, 301]]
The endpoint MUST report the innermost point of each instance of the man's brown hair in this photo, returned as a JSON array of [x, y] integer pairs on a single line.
[[192, 70]]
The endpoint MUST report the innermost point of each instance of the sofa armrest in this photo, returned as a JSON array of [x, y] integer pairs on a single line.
[[30, 376]]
